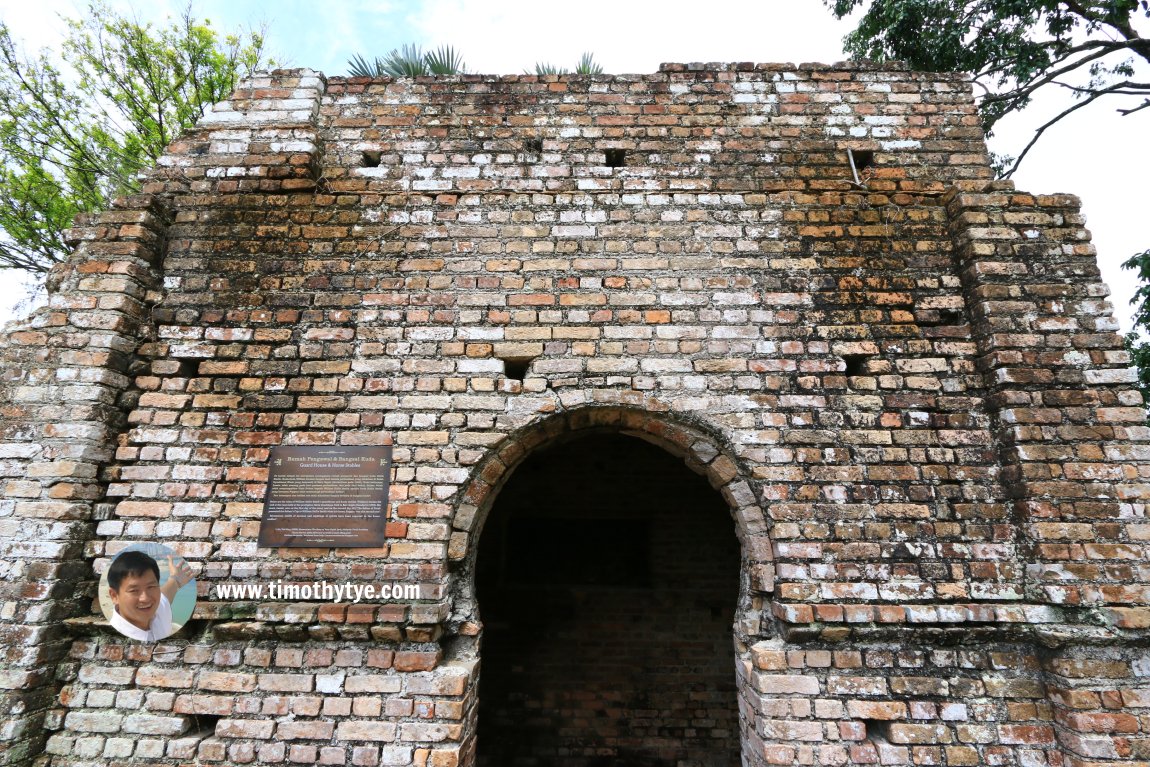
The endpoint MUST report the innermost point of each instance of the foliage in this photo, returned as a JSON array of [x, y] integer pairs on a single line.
[[77, 127], [547, 68], [1013, 48], [586, 66], [1137, 345], [1141, 263], [410, 61], [1139, 350]]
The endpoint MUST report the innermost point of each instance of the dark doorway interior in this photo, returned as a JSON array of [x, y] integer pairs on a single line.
[[607, 581]]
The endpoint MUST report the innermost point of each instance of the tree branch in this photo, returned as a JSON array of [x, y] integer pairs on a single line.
[[1135, 41], [78, 148], [1145, 104], [1038, 133], [1026, 90], [1103, 46], [1138, 88]]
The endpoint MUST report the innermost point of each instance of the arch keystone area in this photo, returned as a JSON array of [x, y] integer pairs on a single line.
[[700, 448]]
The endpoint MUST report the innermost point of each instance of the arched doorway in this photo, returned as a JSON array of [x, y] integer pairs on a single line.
[[607, 577]]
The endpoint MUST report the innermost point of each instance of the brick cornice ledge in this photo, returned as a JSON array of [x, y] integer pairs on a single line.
[[1047, 625]]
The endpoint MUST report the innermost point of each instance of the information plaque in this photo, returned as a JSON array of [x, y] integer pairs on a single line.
[[326, 496]]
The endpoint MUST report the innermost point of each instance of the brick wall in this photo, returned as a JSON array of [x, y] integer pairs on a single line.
[[908, 391]]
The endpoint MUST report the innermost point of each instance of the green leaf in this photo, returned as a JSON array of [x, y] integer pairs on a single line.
[[585, 66], [360, 67], [588, 66], [445, 60], [407, 61]]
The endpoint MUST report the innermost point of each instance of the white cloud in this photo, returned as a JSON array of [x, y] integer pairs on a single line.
[[631, 37]]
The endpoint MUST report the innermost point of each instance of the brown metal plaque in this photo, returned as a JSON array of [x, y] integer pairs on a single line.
[[326, 496]]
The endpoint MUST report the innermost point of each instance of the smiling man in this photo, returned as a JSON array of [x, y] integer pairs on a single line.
[[142, 608]]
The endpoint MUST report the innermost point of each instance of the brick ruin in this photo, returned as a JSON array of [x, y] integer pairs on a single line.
[[739, 416]]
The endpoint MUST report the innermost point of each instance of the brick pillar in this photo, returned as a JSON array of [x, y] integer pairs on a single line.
[[1071, 428], [1099, 696], [1072, 438], [65, 373]]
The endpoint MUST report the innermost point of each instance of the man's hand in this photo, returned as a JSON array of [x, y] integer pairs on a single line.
[[178, 577]]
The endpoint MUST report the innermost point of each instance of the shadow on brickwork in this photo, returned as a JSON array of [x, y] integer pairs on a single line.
[[607, 581]]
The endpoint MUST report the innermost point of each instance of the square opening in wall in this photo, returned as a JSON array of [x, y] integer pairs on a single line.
[[856, 364], [516, 368], [937, 317], [616, 158], [204, 725], [861, 158]]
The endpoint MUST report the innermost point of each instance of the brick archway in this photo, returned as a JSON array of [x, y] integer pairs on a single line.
[[699, 447], [691, 441]]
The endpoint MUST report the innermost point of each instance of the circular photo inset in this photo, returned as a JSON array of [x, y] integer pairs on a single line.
[[148, 592]]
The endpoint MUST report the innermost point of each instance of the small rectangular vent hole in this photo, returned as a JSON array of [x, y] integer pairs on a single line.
[[616, 158], [371, 158], [856, 364], [863, 158], [204, 724], [877, 731], [515, 368], [935, 317]]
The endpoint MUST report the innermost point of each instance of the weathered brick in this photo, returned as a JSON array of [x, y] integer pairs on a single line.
[[907, 393]]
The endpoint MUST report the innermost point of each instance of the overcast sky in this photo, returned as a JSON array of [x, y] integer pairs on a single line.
[[1096, 154]]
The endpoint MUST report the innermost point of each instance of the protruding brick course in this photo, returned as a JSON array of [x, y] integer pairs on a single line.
[[907, 390]]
